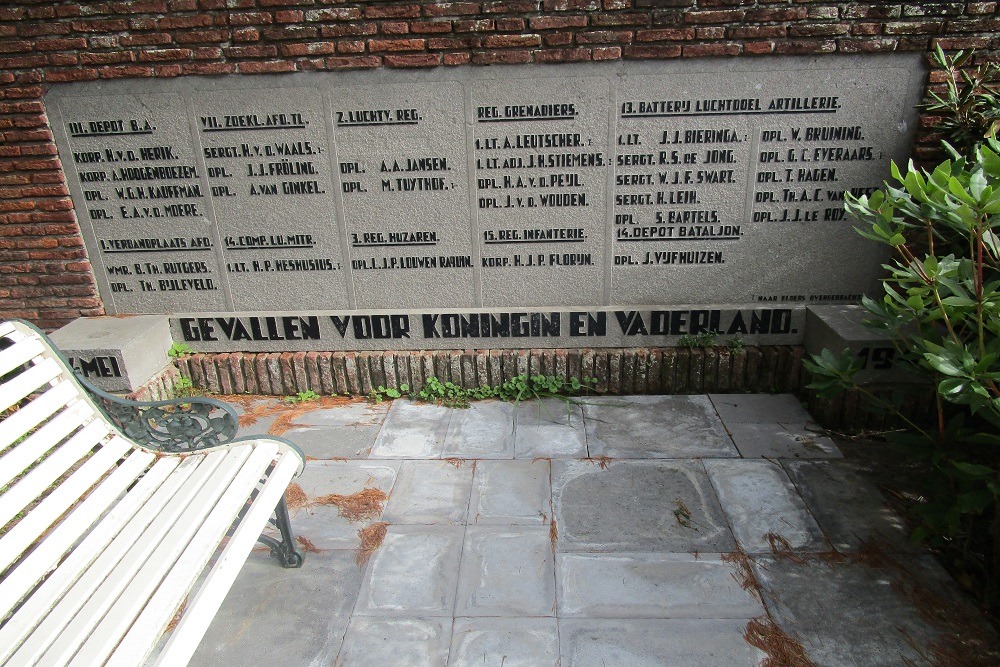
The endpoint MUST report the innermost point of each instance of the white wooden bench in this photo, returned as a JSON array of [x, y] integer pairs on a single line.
[[115, 516]]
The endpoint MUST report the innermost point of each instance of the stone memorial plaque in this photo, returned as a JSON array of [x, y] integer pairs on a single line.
[[590, 187], [404, 181], [541, 170], [141, 202], [730, 185], [268, 162]]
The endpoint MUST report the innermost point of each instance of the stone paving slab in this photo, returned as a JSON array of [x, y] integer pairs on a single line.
[[288, 617], [484, 430], [666, 505], [655, 643], [504, 642], [651, 585], [430, 492], [849, 509], [322, 525], [759, 500], [655, 427], [511, 492], [507, 571], [759, 408], [413, 573], [377, 642], [844, 614], [549, 428], [412, 431], [782, 441], [347, 431]]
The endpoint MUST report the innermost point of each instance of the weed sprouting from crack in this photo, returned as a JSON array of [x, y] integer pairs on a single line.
[[683, 515], [782, 549], [371, 539]]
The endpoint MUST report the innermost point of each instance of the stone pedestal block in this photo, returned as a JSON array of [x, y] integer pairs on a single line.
[[117, 354]]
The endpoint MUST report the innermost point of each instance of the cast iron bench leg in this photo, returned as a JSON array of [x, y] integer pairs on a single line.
[[285, 550]]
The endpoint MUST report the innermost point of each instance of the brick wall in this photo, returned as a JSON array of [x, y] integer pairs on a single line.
[[44, 273]]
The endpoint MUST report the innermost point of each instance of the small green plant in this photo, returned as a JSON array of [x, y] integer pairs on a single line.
[[381, 393], [516, 389], [302, 397], [736, 344], [184, 388], [971, 104], [703, 339], [178, 350]]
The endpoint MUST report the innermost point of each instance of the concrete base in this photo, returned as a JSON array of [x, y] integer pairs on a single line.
[[117, 354]]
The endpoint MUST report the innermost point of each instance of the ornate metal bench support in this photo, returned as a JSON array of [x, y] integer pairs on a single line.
[[285, 550]]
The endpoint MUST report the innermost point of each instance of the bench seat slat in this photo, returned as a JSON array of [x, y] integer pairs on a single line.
[[163, 600], [31, 415], [31, 527], [17, 460], [202, 609], [46, 556], [87, 571], [23, 384], [101, 597], [20, 353], [41, 477]]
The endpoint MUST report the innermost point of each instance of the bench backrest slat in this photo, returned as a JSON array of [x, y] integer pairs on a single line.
[[17, 460], [95, 556], [21, 385], [17, 540], [96, 592], [19, 354], [92, 522], [37, 481], [17, 425]]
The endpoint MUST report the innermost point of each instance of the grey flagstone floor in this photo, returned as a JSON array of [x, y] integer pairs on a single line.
[[600, 532]]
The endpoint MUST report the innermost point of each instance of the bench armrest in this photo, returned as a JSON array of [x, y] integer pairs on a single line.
[[177, 425]]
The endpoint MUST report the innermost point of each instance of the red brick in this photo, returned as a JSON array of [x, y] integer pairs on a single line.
[[498, 57], [261, 51], [973, 8], [139, 7], [913, 27], [714, 49], [867, 45], [289, 16], [243, 35], [392, 11], [715, 16], [604, 37], [60, 43], [314, 49], [334, 14], [100, 25], [557, 22], [558, 38], [665, 51], [289, 32], [26, 62], [562, 55], [457, 58], [71, 75], [156, 39], [619, 18], [412, 60], [969, 42], [350, 47], [207, 69], [161, 55], [125, 72], [451, 8], [606, 53], [866, 28], [755, 31], [394, 27], [511, 25], [806, 46], [382, 45], [113, 58], [360, 62], [775, 14], [268, 66], [819, 30], [284, 3], [17, 46], [430, 26], [571, 5], [250, 18], [664, 35], [450, 43], [511, 7], [506, 41], [482, 25], [201, 36], [181, 22], [349, 30]]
